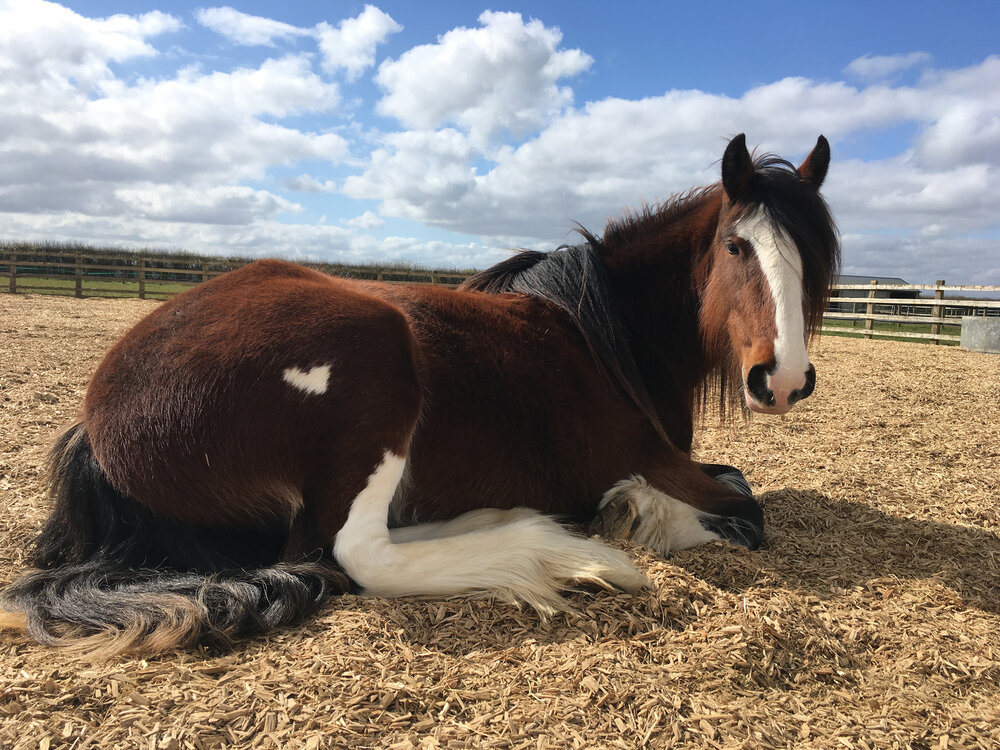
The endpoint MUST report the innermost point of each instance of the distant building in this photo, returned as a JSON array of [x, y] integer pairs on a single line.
[[903, 301], [862, 294]]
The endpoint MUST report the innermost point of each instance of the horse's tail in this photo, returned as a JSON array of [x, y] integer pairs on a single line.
[[99, 610], [114, 579]]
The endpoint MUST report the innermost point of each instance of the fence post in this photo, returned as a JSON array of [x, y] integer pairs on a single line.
[[79, 275], [938, 312], [870, 311], [142, 278], [13, 272]]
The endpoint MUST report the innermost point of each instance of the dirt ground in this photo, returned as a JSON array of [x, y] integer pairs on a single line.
[[871, 618]]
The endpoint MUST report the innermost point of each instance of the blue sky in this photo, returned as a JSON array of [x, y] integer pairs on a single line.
[[444, 133]]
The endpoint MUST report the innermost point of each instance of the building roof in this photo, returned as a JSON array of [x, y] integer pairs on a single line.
[[851, 279]]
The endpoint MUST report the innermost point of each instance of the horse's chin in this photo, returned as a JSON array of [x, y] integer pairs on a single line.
[[755, 406]]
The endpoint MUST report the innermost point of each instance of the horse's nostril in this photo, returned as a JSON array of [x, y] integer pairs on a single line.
[[804, 392], [810, 385], [757, 385]]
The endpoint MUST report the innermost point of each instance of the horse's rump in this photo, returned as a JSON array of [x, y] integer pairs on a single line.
[[220, 408]]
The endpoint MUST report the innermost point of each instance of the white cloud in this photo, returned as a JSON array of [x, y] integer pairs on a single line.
[[367, 220], [901, 195], [964, 117], [307, 184], [589, 163], [242, 28], [43, 44], [231, 204], [418, 169], [73, 136], [880, 67], [351, 45], [490, 142], [260, 238], [499, 77], [919, 258]]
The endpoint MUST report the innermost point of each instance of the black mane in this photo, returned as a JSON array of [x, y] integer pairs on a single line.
[[574, 279]]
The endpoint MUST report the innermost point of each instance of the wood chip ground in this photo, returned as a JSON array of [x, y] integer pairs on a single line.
[[871, 619]]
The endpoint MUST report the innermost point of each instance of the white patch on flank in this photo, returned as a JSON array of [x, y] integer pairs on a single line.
[[312, 381], [665, 523], [782, 266], [517, 556]]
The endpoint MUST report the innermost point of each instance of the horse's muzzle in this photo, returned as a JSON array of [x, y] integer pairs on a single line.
[[767, 391]]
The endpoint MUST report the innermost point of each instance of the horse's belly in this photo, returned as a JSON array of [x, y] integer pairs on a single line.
[[559, 466]]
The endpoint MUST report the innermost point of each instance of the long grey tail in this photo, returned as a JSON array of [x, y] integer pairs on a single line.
[[99, 610], [112, 578]]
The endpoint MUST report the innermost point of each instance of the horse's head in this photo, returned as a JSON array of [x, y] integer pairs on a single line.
[[770, 266]]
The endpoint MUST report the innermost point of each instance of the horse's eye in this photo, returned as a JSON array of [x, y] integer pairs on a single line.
[[733, 248]]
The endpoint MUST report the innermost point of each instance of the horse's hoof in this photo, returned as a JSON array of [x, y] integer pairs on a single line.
[[617, 518], [746, 527], [733, 479]]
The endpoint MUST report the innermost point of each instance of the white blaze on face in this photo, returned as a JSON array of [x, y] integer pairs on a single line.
[[782, 266]]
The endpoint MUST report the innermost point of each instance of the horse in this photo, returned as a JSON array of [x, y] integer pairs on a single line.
[[277, 436]]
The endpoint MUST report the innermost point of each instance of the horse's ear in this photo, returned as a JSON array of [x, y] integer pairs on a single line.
[[814, 168], [737, 169]]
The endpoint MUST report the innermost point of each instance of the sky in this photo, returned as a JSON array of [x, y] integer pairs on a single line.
[[445, 133]]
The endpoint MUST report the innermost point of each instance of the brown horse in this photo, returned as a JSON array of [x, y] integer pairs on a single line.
[[277, 435]]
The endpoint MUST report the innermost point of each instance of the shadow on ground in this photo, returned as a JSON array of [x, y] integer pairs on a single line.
[[815, 546], [823, 547]]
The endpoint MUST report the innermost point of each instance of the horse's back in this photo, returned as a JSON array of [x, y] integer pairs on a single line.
[[219, 405]]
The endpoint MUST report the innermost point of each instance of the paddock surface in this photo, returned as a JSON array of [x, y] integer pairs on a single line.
[[870, 619]]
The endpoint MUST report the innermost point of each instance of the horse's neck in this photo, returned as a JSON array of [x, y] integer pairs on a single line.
[[658, 277]]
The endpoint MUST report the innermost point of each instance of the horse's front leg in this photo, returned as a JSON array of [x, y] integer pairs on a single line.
[[674, 503]]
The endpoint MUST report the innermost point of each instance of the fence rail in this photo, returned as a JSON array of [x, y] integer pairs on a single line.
[[899, 305], [894, 306], [159, 277]]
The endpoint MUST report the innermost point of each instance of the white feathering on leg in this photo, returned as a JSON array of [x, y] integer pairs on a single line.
[[522, 556], [665, 523]]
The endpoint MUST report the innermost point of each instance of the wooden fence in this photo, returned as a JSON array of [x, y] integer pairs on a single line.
[[902, 312], [91, 274]]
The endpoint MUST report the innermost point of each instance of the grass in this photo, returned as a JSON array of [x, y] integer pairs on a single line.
[[96, 287], [184, 267]]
